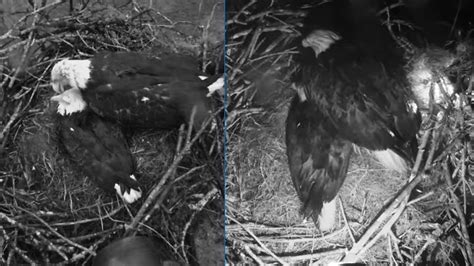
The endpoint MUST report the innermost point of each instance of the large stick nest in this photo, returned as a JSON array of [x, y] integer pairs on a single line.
[[378, 224], [50, 212]]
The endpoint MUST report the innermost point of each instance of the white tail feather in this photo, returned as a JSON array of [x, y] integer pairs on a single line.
[[327, 217], [390, 160], [131, 197], [216, 86]]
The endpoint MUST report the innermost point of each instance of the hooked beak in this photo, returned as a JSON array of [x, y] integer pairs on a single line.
[[59, 98], [57, 86]]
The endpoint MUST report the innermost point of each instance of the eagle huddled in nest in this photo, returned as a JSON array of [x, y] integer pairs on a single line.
[[353, 90], [112, 90]]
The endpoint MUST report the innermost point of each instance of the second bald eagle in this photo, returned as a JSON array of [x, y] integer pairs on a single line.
[[138, 90]]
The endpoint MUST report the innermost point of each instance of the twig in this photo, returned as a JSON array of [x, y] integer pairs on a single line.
[[310, 257], [390, 251], [293, 239], [396, 240], [83, 254], [110, 214], [420, 198], [6, 129], [20, 67], [422, 249], [37, 233], [268, 251], [23, 255], [402, 198], [205, 36], [349, 229], [462, 218], [386, 229], [356, 250], [253, 256], [158, 188], [270, 228], [36, 11], [58, 234], [419, 156], [106, 232], [198, 208], [167, 189]]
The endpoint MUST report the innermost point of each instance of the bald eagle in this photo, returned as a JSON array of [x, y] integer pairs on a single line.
[[137, 90], [352, 91], [97, 147]]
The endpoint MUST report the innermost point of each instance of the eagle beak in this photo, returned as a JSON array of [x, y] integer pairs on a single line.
[[59, 98], [57, 86]]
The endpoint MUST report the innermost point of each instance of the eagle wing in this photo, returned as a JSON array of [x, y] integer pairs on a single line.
[[97, 149], [111, 68], [318, 157], [162, 105], [366, 99]]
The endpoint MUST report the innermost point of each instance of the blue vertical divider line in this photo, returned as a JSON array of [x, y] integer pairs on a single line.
[[225, 129]]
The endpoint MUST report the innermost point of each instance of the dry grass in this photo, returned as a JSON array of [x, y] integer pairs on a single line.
[[49, 212], [264, 224]]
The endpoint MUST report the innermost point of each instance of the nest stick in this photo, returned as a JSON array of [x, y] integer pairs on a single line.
[[310, 257], [198, 207], [402, 198], [462, 218], [37, 10], [268, 251], [205, 37], [90, 220], [67, 240], [241, 11], [386, 228], [253, 255], [22, 255], [167, 189], [171, 170], [83, 254], [294, 239], [6, 129], [349, 229]]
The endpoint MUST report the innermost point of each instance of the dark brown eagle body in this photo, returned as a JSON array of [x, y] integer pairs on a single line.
[[352, 89], [100, 151]]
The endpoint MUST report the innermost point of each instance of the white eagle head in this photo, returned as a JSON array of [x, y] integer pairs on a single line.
[[69, 102], [68, 74]]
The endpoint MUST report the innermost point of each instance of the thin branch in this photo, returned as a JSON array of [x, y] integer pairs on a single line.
[[349, 229], [171, 170], [198, 207], [253, 256], [268, 251], [415, 178], [462, 218], [67, 240]]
